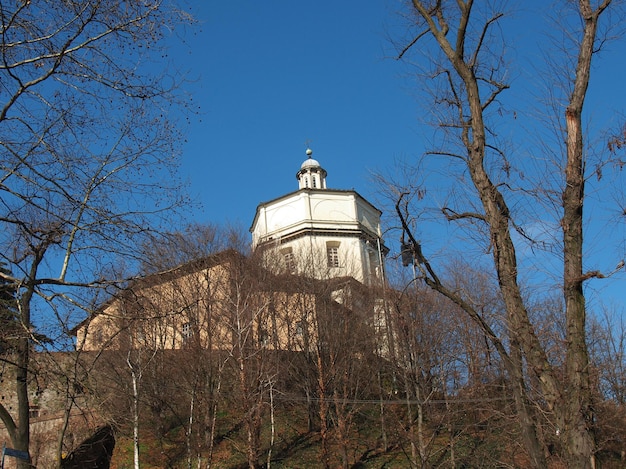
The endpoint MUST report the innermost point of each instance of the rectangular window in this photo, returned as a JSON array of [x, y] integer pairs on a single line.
[[290, 263], [187, 332], [373, 260], [332, 254], [33, 411]]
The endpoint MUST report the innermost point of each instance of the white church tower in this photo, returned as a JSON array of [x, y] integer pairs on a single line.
[[320, 232]]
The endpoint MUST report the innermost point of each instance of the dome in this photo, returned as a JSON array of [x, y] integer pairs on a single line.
[[310, 163], [311, 175]]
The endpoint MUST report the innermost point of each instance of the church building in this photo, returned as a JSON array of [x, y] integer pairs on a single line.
[[329, 239], [320, 232]]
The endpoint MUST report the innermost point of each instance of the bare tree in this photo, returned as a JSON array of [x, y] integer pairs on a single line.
[[607, 337], [248, 312], [447, 375], [464, 44], [608, 347], [87, 153]]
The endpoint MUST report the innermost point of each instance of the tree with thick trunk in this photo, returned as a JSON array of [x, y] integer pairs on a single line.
[[471, 69]]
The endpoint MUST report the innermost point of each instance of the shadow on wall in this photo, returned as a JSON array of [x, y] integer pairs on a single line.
[[93, 453]]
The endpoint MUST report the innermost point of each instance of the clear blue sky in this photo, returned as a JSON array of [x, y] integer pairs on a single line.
[[276, 75], [271, 76]]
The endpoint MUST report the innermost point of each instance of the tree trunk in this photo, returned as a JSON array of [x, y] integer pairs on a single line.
[[577, 414], [21, 439], [568, 397], [135, 410], [323, 411], [190, 424], [272, 423]]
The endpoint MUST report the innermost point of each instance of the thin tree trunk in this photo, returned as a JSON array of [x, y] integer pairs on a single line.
[[272, 423], [66, 420], [323, 412], [310, 411], [135, 410], [214, 417], [409, 416], [342, 428], [190, 423], [22, 437], [451, 435], [383, 429], [21, 440], [420, 425]]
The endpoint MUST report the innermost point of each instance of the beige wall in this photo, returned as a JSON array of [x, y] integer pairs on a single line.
[[209, 307]]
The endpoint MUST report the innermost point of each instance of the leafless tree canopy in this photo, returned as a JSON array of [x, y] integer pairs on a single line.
[[507, 202], [85, 126], [88, 148]]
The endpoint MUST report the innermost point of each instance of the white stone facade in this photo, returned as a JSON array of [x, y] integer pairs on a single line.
[[320, 232]]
